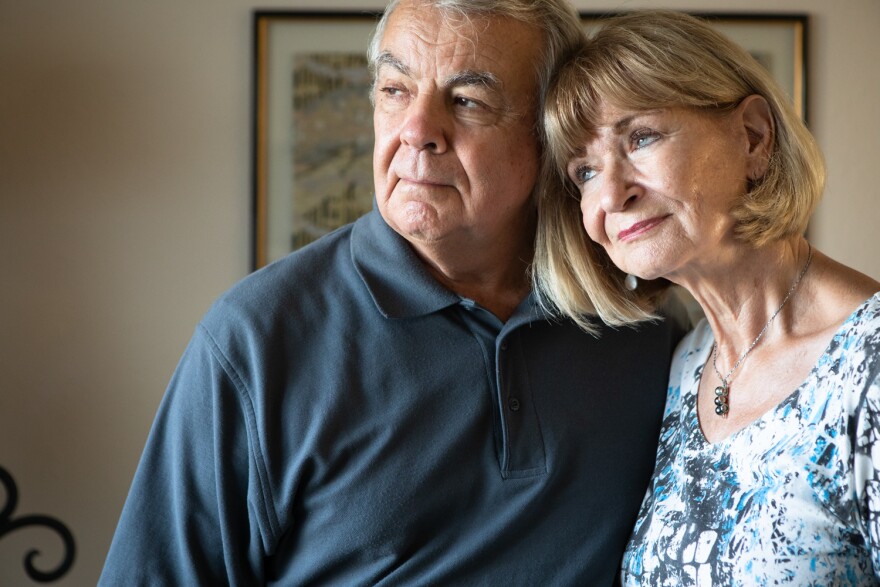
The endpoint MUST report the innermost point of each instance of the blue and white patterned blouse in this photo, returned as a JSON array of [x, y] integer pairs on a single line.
[[792, 499]]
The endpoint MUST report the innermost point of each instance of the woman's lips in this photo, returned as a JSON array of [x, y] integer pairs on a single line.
[[640, 228]]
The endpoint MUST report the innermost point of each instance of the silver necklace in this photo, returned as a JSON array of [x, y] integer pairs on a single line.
[[722, 392]]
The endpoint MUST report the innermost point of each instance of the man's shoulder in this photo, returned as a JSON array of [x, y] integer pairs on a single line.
[[288, 284]]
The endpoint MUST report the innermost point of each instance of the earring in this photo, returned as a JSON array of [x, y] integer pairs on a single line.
[[631, 282]]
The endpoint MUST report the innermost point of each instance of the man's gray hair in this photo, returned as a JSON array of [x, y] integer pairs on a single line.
[[557, 19]]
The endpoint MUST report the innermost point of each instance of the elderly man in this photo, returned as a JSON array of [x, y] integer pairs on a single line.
[[390, 405]]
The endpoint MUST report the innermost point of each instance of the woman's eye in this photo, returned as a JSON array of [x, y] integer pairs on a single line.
[[582, 174], [643, 138]]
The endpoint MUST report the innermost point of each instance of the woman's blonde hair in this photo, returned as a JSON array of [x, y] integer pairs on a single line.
[[647, 60]]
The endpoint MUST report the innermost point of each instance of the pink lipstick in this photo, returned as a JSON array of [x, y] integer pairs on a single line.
[[640, 228]]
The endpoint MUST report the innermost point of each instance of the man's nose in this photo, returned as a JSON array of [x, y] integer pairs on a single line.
[[426, 122]]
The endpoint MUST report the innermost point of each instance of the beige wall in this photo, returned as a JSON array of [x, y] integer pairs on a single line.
[[125, 206]]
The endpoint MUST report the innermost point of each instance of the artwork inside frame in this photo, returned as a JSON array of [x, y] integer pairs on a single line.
[[312, 117], [313, 127]]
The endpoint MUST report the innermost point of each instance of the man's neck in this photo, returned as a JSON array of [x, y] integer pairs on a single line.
[[499, 296], [498, 283]]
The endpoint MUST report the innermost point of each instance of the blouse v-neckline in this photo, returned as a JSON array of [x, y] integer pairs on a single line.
[[701, 358]]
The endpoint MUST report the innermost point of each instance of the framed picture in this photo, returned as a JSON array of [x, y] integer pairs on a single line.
[[313, 127], [313, 124]]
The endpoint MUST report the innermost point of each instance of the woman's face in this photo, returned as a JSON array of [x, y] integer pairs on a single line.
[[657, 187]]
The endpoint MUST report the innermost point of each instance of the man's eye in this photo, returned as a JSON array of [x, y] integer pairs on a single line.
[[466, 102], [390, 91]]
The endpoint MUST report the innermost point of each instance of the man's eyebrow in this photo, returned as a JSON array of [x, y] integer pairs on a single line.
[[467, 77], [474, 78], [387, 59]]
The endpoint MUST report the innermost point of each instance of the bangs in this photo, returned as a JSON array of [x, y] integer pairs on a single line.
[[573, 110], [572, 114]]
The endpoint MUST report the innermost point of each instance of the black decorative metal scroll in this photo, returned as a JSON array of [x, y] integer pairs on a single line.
[[8, 524]]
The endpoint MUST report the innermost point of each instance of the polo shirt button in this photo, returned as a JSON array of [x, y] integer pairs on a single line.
[[503, 346], [513, 404]]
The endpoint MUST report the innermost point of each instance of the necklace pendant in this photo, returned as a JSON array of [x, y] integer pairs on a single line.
[[722, 402], [722, 405]]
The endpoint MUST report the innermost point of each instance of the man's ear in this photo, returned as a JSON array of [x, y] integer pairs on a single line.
[[757, 121]]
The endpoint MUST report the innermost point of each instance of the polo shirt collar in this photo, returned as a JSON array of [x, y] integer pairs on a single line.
[[396, 278], [398, 281]]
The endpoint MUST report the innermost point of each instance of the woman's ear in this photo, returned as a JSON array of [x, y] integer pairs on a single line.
[[757, 121]]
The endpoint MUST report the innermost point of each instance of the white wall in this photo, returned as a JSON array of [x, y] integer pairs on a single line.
[[125, 209]]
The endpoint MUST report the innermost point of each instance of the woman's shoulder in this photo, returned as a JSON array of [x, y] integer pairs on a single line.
[[838, 292], [868, 312], [851, 362], [860, 332], [860, 328]]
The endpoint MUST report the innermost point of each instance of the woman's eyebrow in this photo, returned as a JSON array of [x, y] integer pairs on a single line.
[[624, 122]]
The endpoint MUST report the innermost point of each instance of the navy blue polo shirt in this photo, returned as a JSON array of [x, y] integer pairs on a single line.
[[340, 418]]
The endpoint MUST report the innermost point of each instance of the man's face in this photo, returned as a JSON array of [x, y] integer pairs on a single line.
[[456, 154]]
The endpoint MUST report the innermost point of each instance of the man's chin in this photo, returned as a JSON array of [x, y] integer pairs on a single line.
[[414, 221]]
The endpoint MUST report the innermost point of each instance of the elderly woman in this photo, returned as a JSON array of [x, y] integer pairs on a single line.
[[685, 163]]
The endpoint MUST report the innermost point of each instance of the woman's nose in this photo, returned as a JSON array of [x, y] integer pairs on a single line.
[[618, 188]]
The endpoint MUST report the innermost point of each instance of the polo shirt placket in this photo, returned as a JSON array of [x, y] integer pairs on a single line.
[[519, 442]]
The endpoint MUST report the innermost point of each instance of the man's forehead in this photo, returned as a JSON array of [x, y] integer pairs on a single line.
[[481, 50]]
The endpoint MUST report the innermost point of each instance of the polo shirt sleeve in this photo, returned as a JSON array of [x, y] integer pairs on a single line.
[[196, 513]]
